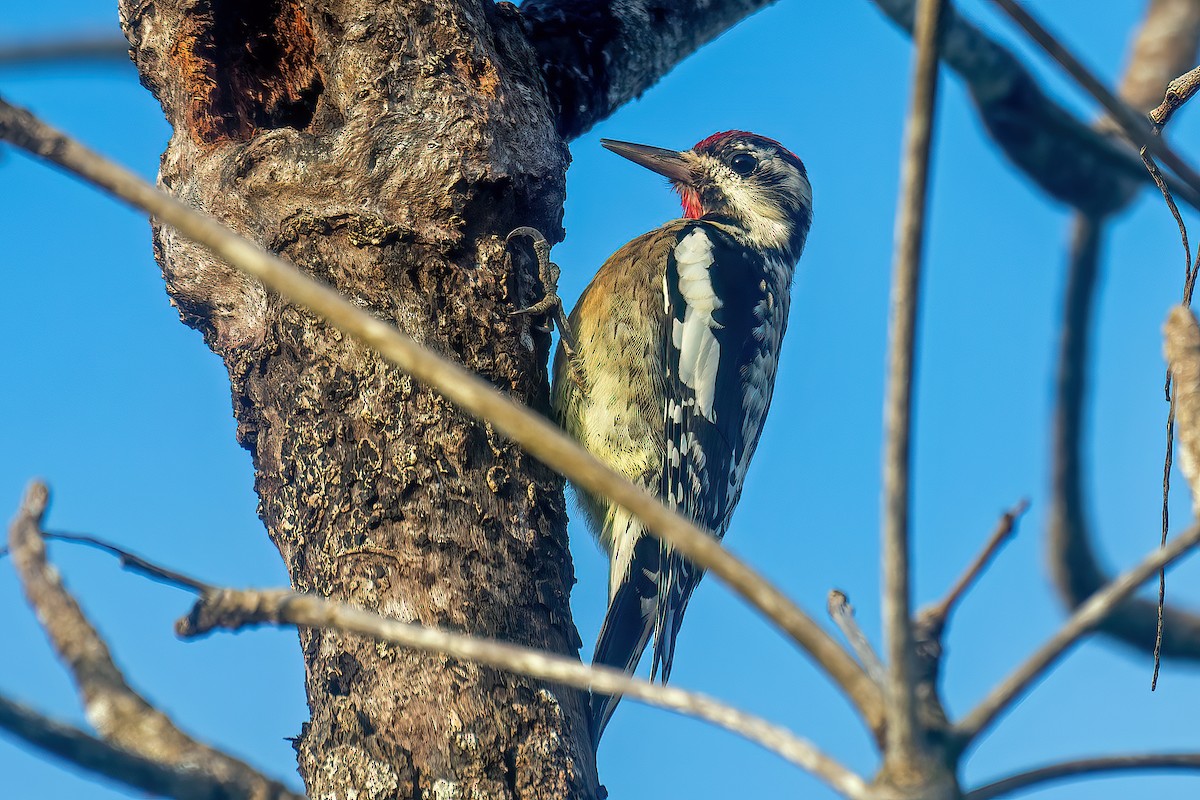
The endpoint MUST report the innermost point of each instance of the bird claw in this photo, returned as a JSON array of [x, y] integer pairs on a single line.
[[551, 305]]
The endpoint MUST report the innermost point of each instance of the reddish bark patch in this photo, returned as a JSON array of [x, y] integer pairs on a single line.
[[246, 67]]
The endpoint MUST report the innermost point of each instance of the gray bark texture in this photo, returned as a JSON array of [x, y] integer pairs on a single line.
[[387, 148]]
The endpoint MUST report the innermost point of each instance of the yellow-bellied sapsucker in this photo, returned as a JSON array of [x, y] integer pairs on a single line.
[[668, 364]]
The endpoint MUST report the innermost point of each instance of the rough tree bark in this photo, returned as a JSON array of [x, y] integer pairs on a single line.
[[387, 148]]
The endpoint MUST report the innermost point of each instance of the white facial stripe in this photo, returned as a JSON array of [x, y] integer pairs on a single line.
[[699, 350], [770, 225]]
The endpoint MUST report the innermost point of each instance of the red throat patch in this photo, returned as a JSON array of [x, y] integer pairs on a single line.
[[691, 202]]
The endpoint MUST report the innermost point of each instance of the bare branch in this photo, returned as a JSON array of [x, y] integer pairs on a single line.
[[1005, 528], [1083, 621], [597, 55], [94, 755], [1165, 44], [533, 432], [842, 614], [119, 713], [1182, 348], [233, 609], [75, 48], [1073, 561], [902, 736], [1068, 159], [131, 562], [1085, 768], [1179, 91], [1136, 127]]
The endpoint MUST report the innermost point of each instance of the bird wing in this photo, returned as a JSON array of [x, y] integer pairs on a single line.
[[720, 341], [723, 316]]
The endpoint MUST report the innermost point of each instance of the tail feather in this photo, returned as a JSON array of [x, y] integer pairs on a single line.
[[677, 580], [628, 625]]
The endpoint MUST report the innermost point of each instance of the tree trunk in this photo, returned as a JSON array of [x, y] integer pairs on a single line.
[[387, 148]]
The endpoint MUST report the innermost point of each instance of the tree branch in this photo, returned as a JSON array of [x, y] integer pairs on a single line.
[[903, 740], [531, 431], [1165, 44], [597, 55], [1069, 160], [1179, 91], [1136, 127], [935, 616], [1182, 349], [842, 614], [119, 714], [129, 769], [1085, 619], [105, 48], [1087, 768], [233, 609]]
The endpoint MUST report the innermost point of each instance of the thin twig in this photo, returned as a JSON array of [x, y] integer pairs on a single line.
[[903, 740], [1087, 768], [1166, 44], [1178, 92], [232, 609], [1135, 126], [121, 715], [842, 614], [1082, 622], [531, 431], [117, 764], [131, 562], [1004, 531]]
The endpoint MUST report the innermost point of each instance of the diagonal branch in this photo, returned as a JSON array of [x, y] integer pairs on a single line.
[[1135, 126], [98, 48], [1085, 619], [97, 756], [233, 609], [902, 734], [119, 714], [597, 55], [531, 431], [1085, 768], [936, 615], [1068, 159]]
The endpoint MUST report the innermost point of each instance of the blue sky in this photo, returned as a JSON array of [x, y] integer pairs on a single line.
[[127, 414]]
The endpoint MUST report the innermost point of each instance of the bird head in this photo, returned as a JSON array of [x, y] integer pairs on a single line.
[[751, 181]]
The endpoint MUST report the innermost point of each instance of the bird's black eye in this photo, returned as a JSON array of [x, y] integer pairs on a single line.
[[743, 163]]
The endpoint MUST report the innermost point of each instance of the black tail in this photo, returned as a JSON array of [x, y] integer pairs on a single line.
[[627, 627]]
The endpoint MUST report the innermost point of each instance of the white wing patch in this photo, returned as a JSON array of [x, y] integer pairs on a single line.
[[699, 350]]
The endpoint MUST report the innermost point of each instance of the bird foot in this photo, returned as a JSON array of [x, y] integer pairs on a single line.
[[551, 305]]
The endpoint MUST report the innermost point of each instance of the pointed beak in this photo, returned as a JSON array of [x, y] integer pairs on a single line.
[[670, 163]]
